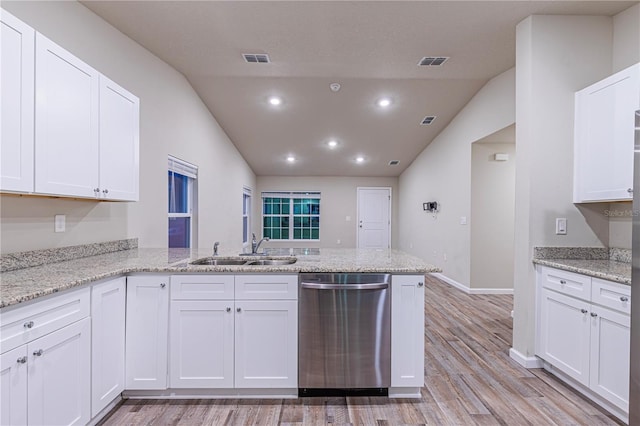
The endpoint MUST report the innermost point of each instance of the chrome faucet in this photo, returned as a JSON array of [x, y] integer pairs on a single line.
[[215, 248], [255, 245]]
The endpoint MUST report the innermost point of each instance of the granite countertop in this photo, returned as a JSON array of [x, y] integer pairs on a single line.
[[25, 284], [607, 264]]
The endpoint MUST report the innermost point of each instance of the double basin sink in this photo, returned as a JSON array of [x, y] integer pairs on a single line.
[[239, 261]]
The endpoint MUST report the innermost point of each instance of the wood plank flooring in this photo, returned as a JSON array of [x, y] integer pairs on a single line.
[[470, 380]]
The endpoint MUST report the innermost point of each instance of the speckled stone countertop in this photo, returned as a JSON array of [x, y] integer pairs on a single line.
[[607, 264], [22, 285]]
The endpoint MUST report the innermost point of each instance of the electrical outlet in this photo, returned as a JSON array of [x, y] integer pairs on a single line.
[[444, 256], [59, 221], [339, 242], [463, 220]]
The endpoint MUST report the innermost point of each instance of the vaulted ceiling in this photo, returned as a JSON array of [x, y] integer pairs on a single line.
[[371, 48]]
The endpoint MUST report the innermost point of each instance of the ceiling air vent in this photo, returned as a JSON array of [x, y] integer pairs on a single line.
[[257, 58], [427, 120], [394, 162], [432, 61]]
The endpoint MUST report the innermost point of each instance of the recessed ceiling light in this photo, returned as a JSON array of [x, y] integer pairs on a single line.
[[332, 143], [360, 159], [275, 101], [291, 159], [384, 102]]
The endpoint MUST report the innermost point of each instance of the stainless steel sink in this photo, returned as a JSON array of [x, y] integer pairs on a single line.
[[220, 261], [236, 261], [272, 262]]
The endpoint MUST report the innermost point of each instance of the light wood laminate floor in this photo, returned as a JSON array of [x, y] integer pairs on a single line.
[[470, 380]]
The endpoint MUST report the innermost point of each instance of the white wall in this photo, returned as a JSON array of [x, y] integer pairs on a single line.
[[626, 38], [442, 173], [338, 201], [492, 213], [173, 121], [555, 57]]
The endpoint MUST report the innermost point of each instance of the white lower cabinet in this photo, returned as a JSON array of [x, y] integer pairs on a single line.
[[219, 339], [59, 371], [266, 344], [45, 369], [107, 342], [583, 339], [147, 323], [13, 387], [201, 346], [407, 331]]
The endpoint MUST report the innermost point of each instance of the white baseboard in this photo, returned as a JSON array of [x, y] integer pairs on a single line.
[[526, 361], [469, 290]]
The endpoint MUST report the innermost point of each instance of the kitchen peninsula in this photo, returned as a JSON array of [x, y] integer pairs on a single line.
[[138, 322]]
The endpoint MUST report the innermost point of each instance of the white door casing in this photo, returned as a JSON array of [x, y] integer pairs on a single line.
[[374, 218]]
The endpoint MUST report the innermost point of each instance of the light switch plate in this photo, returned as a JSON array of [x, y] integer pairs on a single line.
[[561, 226]]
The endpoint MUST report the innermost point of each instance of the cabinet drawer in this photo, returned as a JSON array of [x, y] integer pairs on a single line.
[[267, 287], [202, 287], [565, 282], [612, 295], [24, 324]]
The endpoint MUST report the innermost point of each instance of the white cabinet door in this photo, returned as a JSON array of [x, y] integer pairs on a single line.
[[564, 334], [201, 344], [147, 325], [119, 142], [407, 331], [13, 387], [17, 104], [266, 344], [610, 339], [59, 383], [66, 132], [604, 133], [107, 342]]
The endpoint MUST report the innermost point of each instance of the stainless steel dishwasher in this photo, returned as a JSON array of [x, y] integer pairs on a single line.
[[344, 337]]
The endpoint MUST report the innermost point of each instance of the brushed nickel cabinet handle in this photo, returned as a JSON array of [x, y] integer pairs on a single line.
[[624, 299], [563, 282], [593, 314], [39, 352], [22, 360], [584, 311], [29, 324]]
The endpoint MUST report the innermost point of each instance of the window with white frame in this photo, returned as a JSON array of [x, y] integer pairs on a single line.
[[291, 216], [246, 216], [182, 177]]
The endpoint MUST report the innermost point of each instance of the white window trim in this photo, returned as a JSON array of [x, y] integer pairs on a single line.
[[291, 195], [247, 191], [184, 168]]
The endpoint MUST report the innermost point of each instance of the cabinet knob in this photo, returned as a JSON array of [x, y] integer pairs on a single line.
[[163, 285], [238, 309], [420, 284], [630, 190], [105, 191], [593, 314], [39, 352], [563, 282], [228, 309], [22, 360], [96, 190], [624, 299], [584, 311], [29, 324]]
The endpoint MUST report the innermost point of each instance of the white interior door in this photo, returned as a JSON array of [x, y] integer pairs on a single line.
[[374, 218]]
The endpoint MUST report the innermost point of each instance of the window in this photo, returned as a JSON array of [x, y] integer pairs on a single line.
[[291, 215], [182, 177], [246, 216]]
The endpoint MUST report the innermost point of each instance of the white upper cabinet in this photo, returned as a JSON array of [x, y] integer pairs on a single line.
[[67, 130], [66, 149], [17, 75], [603, 138], [119, 142]]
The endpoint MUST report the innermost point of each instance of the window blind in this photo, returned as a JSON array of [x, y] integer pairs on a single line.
[[291, 194], [177, 165]]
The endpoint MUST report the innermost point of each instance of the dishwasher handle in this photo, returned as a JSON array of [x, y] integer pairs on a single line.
[[324, 286]]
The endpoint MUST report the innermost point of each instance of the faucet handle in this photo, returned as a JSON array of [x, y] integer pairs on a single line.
[[254, 236], [215, 248]]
